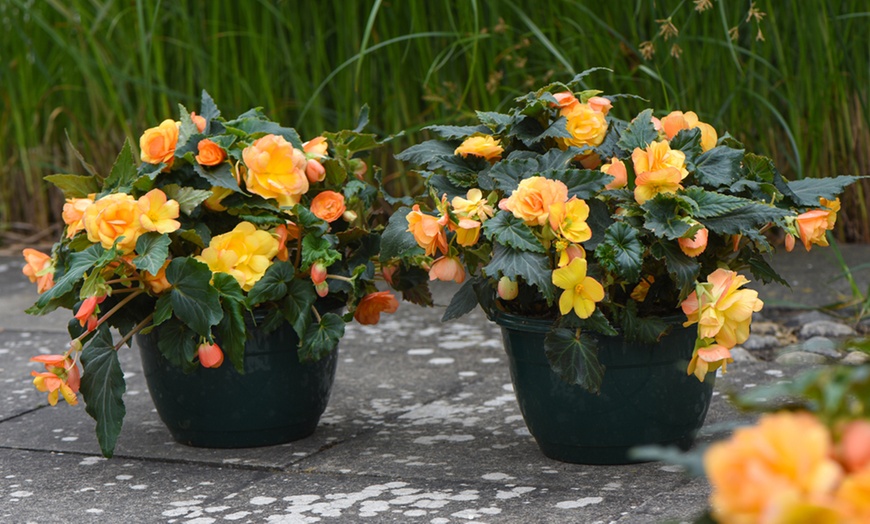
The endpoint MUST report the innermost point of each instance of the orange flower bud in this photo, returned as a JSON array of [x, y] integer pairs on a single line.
[[854, 448], [565, 99], [318, 273], [507, 289], [359, 167], [316, 146], [87, 309], [210, 355], [696, 245], [322, 289], [315, 171], [210, 154], [600, 104]]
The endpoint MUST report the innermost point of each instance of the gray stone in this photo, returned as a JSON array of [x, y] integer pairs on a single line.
[[801, 319], [759, 342], [739, 354], [801, 358], [825, 328], [821, 345], [855, 358]]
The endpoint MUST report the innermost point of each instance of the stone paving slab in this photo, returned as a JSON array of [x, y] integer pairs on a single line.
[[422, 426]]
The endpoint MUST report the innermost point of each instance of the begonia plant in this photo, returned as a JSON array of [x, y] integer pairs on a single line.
[[558, 209], [222, 218]]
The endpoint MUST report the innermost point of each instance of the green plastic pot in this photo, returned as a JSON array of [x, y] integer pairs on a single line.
[[277, 399], [646, 396]]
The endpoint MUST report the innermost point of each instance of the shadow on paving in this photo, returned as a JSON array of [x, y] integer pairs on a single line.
[[422, 426]]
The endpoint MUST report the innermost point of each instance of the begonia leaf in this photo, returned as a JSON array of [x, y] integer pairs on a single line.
[[321, 338], [194, 301], [574, 358], [153, 251], [103, 387]]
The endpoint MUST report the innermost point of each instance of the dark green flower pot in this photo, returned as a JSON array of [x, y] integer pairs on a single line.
[[277, 400], [646, 396]]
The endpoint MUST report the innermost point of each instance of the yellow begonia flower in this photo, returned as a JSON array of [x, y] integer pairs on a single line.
[[581, 292], [676, 121], [158, 213], [569, 220], [586, 126], [652, 183], [485, 147], [568, 252], [721, 309], [467, 232], [473, 206], [245, 253], [112, 217], [658, 156]]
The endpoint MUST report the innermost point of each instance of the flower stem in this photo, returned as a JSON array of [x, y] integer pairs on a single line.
[[118, 306], [339, 277], [137, 328], [316, 314]]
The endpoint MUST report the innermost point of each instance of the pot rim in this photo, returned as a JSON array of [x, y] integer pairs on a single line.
[[544, 325]]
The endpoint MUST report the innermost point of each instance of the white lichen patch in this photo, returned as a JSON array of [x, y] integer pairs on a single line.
[[430, 440], [579, 503]]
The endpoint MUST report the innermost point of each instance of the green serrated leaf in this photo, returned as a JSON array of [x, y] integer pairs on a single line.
[[318, 249], [495, 121], [427, 153], [297, 305], [218, 176], [348, 142], [534, 268], [321, 338], [103, 387], [574, 359], [646, 330], [809, 190], [187, 197], [162, 310], [621, 252], [232, 333], [639, 133], [228, 287], [463, 301], [396, 240], [123, 172], [177, 343], [558, 129], [153, 250], [453, 132], [274, 285], [79, 264], [75, 186], [712, 204], [599, 220], [689, 142], [309, 222], [207, 108], [683, 269], [507, 173], [719, 167], [509, 230], [663, 216], [258, 126], [762, 270], [749, 217], [194, 301]]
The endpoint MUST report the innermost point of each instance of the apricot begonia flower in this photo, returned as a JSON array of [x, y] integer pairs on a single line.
[[813, 225], [616, 169], [245, 253], [581, 292], [852, 498], [532, 199], [157, 144], [763, 470], [210, 355], [316, 146], [276, 170], [657, 156], [696, 245], [62, 376], [485, 147], [652, 183], [600, 104], [328, 206], [707, 359], [88, 310], [723, 311], [38, 268], [217, 195], [369, 309], [473, 206], [198, 121], [427, 231], [157, 283], [73, 212], [586, 126], [565, 99], [569, 220], [447, 269], [158, 212], [676, 121], [112, 217], [210, 154]]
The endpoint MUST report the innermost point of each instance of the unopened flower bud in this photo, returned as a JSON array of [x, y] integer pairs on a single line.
[[210, 355], [789, 242], [318, 273], [507, 289], [322, 289], [315, 171], [359, 167], [349, 216], [388, 272]]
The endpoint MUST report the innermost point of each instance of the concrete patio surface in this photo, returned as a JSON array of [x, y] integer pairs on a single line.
[[422, 426]]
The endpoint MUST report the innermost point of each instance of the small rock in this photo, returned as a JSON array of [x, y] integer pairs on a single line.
[[806, 318], [767, 328], [855, 358], [825, 328], [739, 354], [864, 326], [757, 342], [801, 357], [822, 346]]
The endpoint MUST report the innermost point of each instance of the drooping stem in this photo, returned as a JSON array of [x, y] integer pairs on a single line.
[[118, 306], [316, 314], [137, 328], [298, 252], [342, 278]]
